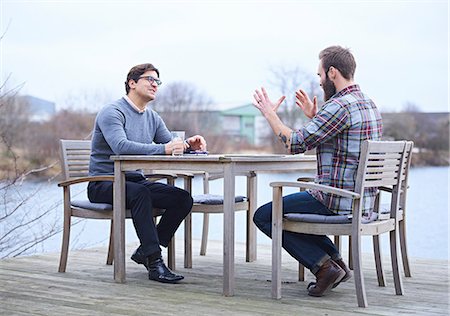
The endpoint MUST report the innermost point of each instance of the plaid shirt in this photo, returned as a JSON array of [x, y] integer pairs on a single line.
[[337, 131]]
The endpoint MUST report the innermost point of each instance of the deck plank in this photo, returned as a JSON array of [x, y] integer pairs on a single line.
[[32, 286]]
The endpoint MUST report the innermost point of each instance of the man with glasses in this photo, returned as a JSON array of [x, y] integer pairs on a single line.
[[129, 126], [336, 131]]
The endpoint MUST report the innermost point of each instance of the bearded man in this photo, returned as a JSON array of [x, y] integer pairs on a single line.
[[336, 130]]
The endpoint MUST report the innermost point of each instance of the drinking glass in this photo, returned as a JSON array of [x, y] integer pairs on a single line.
[[178, 137]]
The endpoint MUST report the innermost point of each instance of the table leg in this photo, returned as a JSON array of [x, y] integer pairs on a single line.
[[228, 231], [119, 223]]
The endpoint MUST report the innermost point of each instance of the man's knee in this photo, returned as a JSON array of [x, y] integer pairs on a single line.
[[186, 200], [263, 215]]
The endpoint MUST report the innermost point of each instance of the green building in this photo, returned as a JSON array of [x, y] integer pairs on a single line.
[[243, 121]]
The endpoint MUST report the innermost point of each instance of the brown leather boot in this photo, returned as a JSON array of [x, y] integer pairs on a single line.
[[327, 275], [347, 276], [348, 272]]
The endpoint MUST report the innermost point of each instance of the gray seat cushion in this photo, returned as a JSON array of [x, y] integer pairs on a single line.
[[86, 204], [327, 219], [212, 199]]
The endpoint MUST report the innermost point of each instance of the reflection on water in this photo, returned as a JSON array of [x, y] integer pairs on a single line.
[[427, 215]]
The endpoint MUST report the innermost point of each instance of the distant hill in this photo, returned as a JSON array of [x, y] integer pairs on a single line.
[[39, 109]]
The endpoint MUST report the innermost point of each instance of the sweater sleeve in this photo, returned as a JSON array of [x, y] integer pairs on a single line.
[[111, 122], [162, 134]]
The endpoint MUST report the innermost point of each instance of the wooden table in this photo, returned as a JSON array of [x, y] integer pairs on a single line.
[[229, 165]]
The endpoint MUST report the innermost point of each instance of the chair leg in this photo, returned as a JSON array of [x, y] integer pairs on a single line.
[[204, 234], [251, 252], [277, 233], [403, 248], [301, 272], [110, 257], [394, 259], [358, 273], [171, 254], [337, 243], [65, 242], [188, 229], [350, 255], [378, 262], [188, 241]]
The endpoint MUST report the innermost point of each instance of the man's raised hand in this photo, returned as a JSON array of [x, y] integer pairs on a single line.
[[304, 102]]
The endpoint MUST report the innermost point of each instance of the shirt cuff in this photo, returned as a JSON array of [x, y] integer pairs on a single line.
[[297, 142]]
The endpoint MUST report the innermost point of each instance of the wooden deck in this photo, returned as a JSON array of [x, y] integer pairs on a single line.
[[32, 286]]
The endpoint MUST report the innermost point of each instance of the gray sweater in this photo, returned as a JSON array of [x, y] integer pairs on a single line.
[[120, 130]]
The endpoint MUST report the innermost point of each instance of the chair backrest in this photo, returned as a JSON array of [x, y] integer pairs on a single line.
[[405, 171], [381, 163], [75, 155]]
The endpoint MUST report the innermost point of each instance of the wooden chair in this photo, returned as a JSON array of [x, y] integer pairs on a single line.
[[75, 156], [207, 204], [381, 164], [384, 210]]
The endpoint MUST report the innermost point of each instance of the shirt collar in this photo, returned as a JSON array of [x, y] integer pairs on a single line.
[[347, 90], [134, 106]]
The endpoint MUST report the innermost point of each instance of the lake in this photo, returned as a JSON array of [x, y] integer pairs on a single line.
[[427, 215]]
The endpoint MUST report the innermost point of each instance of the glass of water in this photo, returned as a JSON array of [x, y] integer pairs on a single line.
[[178, 137]]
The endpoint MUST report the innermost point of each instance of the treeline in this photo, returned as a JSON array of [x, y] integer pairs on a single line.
[[27, 145], [429, 131]]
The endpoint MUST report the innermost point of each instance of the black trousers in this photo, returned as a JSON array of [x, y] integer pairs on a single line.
[[141, 196]]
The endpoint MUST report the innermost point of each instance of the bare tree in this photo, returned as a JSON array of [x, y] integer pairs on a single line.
[[23, 226], [181, 96], [184, 107], [87, 100], [13, 118], [411, 107], [27, 149], [288, 81]]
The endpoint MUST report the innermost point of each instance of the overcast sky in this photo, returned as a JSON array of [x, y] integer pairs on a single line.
[[225, 48]]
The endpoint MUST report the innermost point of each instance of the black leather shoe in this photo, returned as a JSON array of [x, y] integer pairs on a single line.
[[158, 271], [139, 257]]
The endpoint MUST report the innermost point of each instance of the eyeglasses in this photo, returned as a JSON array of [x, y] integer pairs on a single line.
[[151, 80]]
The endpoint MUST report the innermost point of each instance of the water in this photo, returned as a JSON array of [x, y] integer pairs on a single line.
[[427, 215]]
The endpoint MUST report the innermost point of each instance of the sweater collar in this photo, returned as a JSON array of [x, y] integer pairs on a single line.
[[134, 106]]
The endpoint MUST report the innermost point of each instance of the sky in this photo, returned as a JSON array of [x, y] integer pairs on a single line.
[[57, 50]]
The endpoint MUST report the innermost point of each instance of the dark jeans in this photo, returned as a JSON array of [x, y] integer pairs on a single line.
[[141, 196], [310, 250]]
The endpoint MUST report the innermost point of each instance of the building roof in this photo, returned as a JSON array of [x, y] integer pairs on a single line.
[[243, 110]]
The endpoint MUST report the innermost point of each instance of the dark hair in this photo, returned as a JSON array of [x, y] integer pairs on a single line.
[[340, 58], [136, 72]]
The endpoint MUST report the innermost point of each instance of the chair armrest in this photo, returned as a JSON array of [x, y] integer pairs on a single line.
[[386, 189], [189, 174], [320, 187], [85, 179], [215, 176], [306, 179], [180, 173], [160, 175]]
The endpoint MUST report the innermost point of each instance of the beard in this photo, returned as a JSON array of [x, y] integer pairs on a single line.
[[329, 89]]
